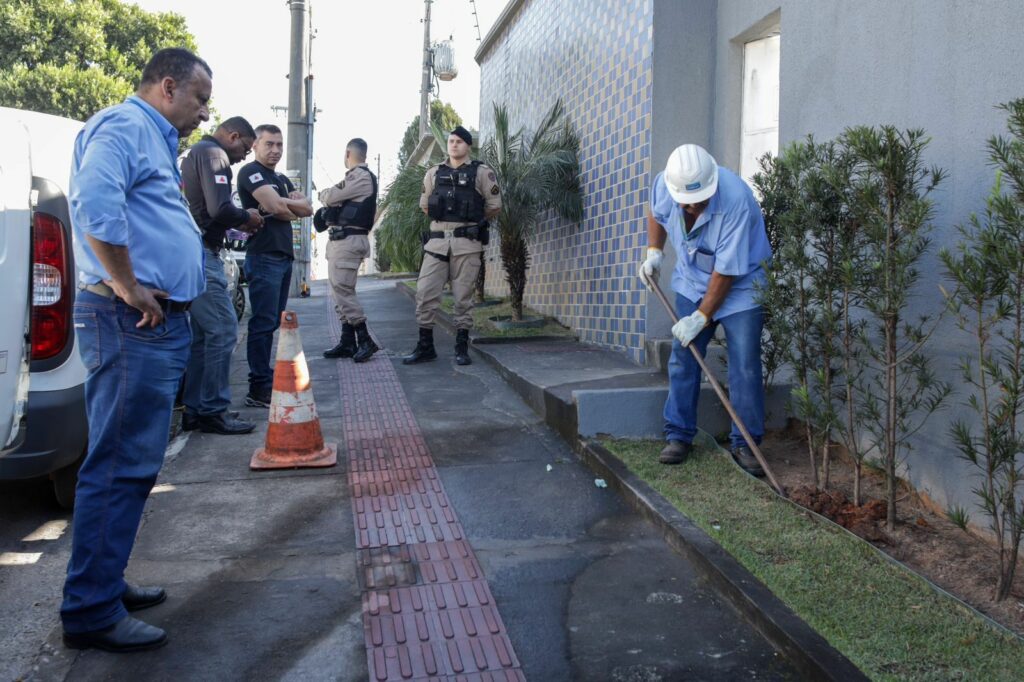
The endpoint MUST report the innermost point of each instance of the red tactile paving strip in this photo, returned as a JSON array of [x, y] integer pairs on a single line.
[[428, 614]]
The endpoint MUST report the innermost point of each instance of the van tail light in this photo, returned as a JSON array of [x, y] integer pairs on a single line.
[[51, 297]]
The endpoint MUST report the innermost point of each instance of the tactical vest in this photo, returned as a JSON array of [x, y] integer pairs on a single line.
[[455, 199], [352, 213]]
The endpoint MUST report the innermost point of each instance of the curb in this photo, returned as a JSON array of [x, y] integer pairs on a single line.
[[810, 653]]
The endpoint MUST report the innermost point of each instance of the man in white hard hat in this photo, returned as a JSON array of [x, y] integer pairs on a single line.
[[718, 233]]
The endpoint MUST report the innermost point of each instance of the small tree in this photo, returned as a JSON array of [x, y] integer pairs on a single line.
[[398, 234], [773, 185], [891, 202], [806, 196], [537, 171], [832, 242], [787, 290], [988, 269]]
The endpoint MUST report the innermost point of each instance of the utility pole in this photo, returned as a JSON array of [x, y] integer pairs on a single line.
[[300, 129], [425, 85]]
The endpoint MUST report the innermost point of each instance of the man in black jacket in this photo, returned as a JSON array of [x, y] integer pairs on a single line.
[[206, 176]]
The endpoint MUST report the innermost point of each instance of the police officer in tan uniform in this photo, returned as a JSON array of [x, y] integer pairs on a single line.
[[350, 209], [459, 195]]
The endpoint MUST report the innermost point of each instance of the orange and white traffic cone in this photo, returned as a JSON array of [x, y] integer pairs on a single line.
[[294, 439]]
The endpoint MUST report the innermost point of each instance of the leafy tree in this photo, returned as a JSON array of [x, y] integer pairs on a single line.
[[774, 186], [537, 171], [442, 115], [73, 58], [805, 195], [398, 234], [988, 269], [891, 204]]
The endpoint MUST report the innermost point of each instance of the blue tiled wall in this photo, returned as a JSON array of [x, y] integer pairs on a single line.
[[596, 56]]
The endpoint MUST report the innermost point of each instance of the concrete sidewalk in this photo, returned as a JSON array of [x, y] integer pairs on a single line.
[[261, 568]]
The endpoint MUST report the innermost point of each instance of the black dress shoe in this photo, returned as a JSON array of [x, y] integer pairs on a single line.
[[224, 424], [128, 634], [190, 422], [138, 598], [746, 460]]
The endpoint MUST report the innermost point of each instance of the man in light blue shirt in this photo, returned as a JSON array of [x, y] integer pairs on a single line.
[[717, 231], [142, 264]]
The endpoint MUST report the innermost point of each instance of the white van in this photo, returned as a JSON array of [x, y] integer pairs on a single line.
[[43, 429]]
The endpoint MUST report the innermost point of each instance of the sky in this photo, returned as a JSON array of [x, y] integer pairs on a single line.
[[366, 66]]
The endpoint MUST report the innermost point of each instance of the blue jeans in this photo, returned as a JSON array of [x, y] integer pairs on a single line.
[[746, 387], [133, 377], [214, 334], [269, 276]]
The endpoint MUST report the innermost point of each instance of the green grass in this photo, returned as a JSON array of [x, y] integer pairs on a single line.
[[483, 327], [884, 618]]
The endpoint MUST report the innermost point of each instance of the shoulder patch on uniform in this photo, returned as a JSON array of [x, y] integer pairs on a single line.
[[492, 177], [221, 179], [256, 177], [495, 190]]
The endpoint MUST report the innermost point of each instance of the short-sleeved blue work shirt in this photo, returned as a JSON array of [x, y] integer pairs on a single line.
[[728, 238], [126, 191]]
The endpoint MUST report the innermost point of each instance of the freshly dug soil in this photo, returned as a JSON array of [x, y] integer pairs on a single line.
[[959, 562], [864, 520]]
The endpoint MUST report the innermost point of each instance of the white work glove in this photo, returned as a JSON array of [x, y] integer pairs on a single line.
[[687, 329], [650, 269]]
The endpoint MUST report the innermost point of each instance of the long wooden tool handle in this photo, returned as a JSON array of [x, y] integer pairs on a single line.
[[721, 395]]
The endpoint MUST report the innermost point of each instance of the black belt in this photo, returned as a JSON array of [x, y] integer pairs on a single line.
[[457, 232], [338, 232], [101, 289]]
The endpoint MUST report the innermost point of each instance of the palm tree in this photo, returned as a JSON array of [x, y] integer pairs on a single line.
[[398, 235], [538, 171]]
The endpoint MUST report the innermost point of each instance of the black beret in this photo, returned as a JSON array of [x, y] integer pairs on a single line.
[[464, 134]]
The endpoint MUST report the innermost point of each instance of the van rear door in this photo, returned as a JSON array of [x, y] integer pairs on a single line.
[[15, 282]]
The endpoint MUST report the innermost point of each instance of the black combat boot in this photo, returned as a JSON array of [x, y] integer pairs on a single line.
[[424, 350], [366, 345], [346, 347], [462, 347]]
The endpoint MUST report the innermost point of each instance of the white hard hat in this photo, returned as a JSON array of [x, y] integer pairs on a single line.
[[691, 174]]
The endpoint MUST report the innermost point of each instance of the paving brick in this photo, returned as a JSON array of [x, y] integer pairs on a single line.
[[510, 675], [474, 594], [428, 613]]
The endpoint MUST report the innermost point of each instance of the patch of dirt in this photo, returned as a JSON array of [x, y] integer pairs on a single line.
[[864, 520], [960, 562]]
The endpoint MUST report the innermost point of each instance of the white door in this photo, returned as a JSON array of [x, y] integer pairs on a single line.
[[15, 280], [760, 118]]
